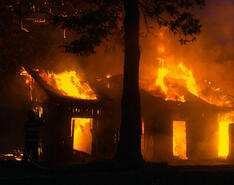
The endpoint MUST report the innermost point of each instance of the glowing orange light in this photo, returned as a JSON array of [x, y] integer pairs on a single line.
[[161, 49], [162, 73], [29, 81], [171, 76], [161, 34], [34, 8], [223, 143], [143, 127], [175, 73], [179, 139], [64, 34], [108, 76], [82, 136], [69, 83], [142, 136]]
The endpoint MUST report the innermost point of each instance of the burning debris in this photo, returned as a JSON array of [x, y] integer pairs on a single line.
[[15, 155]]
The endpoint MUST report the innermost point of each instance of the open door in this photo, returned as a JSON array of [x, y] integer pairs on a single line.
[[179, 140], [81, 128]]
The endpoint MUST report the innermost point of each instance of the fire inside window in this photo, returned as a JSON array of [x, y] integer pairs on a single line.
[[223, 133], [179, 139], [223, 147], [81, 130]]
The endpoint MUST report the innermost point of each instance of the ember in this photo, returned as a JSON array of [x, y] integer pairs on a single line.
[[16, 155]]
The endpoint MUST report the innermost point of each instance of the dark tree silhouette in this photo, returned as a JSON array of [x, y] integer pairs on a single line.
[[167, 13], [129, 148]]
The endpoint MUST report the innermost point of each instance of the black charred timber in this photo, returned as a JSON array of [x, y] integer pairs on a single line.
[[231, 141]]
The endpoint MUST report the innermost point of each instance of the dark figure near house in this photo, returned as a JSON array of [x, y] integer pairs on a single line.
[[31, 136]]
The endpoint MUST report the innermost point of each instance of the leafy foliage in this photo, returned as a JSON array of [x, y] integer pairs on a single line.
[[175, 15], [97, 19]]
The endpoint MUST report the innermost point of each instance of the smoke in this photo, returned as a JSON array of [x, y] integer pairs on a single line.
[[108, 58], [210, 58]]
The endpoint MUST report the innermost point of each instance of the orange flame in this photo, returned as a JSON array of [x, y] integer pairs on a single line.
[[169, 77], [70, 84], [26, 75], [172, 79], [67, 83], [28, 80]]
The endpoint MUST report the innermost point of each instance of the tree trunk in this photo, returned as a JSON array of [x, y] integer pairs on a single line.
[[129, 147]]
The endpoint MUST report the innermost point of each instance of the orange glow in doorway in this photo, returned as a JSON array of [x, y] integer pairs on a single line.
[[179, 139], [82, 136]]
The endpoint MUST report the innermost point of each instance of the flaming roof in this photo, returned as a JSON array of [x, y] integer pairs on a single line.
[[63, 85]]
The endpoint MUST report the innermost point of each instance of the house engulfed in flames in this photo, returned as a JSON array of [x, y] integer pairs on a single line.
[[185, 123], [82, 123], [73, 115]]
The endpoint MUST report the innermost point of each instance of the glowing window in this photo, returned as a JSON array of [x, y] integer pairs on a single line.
[[82, 136], [223, 142], [179, 139], [142, 136], [223, 147]]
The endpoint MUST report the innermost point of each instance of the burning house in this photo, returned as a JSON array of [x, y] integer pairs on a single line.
[[181, 119], [85, 126], [179, 130], [183, 123], [78, 122]]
